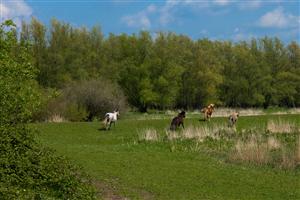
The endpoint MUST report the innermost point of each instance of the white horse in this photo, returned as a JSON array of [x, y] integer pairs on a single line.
[[111, 118]]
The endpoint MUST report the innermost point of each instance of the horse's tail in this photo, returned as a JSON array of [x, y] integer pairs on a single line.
[[106, 119]]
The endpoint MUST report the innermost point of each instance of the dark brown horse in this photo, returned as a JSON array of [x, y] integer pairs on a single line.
[[177, 121]]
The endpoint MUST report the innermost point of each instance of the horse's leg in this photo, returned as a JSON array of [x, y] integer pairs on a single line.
[[106, 123], [109, 125], [172, 127], [182, 125]]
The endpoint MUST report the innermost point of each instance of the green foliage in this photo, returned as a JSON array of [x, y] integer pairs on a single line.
[[75, 113], [30, 171], [27, 170], [91, 99], [170, 70]]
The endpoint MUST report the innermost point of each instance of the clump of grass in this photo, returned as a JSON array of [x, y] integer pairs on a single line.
[[255, 150], [288, 160], [251, 151], [56, 118], [280, 126], [149, 134], [172, 135], [200, 133], [273, 143]]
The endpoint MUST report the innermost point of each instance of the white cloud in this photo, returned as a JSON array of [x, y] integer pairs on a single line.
[[167, 12], [15, 10], [141, 19], [221, 2], [279, 19]]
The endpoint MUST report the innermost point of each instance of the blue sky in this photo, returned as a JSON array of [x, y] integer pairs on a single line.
[[215, 19]]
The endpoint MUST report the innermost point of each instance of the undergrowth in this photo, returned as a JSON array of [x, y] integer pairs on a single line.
[[276, 145]]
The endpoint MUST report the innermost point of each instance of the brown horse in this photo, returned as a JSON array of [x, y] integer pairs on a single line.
[[208, 111], [177, 121]]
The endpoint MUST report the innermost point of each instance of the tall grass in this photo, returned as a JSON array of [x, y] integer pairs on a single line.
[[260, 151], [257, 146], [280, 126], [251, 150], [56, 118], [202, 132], [148, 134]]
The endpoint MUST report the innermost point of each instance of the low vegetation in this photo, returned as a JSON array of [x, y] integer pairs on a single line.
[[27, 169], [142, 159], [83, 101], [257, 146]]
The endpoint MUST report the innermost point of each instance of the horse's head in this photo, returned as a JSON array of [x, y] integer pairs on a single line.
[[182, 114], [236, 114], [117, 112], [211, 106]]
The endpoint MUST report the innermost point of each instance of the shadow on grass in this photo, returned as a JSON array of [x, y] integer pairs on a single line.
[[102, 129]]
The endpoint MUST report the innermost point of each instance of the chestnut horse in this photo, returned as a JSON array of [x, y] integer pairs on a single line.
[[208, 111]]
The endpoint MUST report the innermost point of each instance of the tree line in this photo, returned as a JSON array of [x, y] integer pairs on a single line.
[[167, 70]]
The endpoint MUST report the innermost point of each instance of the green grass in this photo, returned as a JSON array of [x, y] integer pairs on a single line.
[[153, 170]]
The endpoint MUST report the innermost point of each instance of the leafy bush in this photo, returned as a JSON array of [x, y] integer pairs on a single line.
[[95, 96], [75, 112], [81, 101], [27, 170]]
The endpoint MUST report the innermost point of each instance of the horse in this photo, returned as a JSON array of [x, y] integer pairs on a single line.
[[111, 118], [208, 111], [233, 119], [177, 121]]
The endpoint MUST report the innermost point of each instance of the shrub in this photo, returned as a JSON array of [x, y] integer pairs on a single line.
[[27, 170], [81, 101], [74, 112], [96, 96]]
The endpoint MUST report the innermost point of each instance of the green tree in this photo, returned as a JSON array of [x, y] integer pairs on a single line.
[[27, 171]]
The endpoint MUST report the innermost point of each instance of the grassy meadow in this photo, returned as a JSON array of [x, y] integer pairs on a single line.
[[140, 159]]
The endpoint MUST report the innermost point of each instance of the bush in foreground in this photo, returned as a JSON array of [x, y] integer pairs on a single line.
[[27, 170]]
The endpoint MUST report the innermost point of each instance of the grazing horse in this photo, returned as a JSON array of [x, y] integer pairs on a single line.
[[208, 111], [233, 119], [111, 118], [177, 121]]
